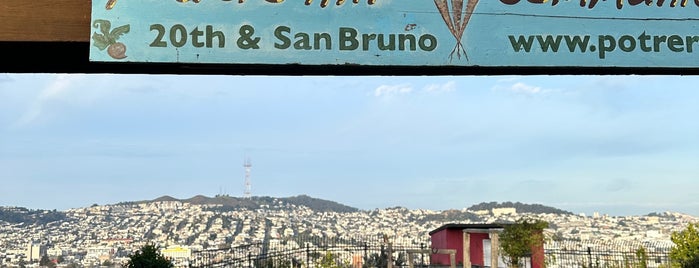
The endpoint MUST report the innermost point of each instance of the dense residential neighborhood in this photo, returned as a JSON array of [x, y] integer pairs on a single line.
[[106, 234]]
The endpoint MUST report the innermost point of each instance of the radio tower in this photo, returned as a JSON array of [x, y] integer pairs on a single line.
[[247, 165]]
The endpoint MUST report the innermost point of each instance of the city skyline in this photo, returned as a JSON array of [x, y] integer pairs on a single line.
[[619, 145]]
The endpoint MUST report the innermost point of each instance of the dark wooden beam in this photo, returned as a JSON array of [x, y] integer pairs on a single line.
[[45, 20]]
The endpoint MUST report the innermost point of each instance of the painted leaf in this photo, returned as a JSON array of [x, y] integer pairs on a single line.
[[119, 31], [100, 41], [104, 26]]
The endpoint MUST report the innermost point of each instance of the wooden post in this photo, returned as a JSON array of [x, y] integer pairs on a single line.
[[494, 249], [467, 249]]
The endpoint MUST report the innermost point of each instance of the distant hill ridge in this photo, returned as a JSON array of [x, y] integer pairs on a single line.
[[320, 205], [20, 215], [256, 202], [520, 207], [30, 216]]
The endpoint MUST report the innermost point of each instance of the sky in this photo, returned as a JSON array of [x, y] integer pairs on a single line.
[[620, 145]]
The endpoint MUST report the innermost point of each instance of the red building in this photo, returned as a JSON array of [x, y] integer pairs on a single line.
[[479, 242]]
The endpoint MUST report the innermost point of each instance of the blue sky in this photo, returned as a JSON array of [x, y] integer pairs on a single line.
[[623, 145]]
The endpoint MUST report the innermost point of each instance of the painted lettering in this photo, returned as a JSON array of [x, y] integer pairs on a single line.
[[590, 4], [323, 3], [179, 37], [350, 39], [302, 41]]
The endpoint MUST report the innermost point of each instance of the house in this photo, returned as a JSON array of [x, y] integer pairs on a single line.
[[473, 245]]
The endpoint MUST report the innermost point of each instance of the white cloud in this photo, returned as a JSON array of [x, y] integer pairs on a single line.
[[520, 87], [436, 88], [392, 90]]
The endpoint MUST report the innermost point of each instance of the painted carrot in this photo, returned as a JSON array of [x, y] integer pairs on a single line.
[[457, 6], [457, 21], [444, 11], [470, 8]]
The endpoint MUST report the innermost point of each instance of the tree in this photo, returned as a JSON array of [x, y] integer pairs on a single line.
[[46, 262], [641, 258], [518, 240], [685, 253], [328, 261], [377, 260], [148, 257], [401, 260]]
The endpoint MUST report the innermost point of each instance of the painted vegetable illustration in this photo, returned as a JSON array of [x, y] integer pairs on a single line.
[[108, 38], [457, 20]]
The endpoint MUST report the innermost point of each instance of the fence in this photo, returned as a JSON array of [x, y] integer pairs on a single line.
[[356, 252], [367, 252], [598, 254]]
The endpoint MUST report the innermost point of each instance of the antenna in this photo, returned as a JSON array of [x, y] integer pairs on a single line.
[[248, 166]]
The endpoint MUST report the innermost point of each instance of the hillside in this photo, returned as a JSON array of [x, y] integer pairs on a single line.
[[29, 216], [318, 204], [521, 208], [229, 203], [451, 216]]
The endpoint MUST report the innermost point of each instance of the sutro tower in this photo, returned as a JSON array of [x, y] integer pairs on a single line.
[[247, 165]]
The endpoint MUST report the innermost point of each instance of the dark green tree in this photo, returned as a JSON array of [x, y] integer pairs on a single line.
[[46, 262], [641, 258], [328, 261], [401, 260], [685, 253], [148, 257], [377, 260], [518, 240]]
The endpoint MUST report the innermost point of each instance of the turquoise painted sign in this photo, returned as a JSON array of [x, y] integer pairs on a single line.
[[539, 33]]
